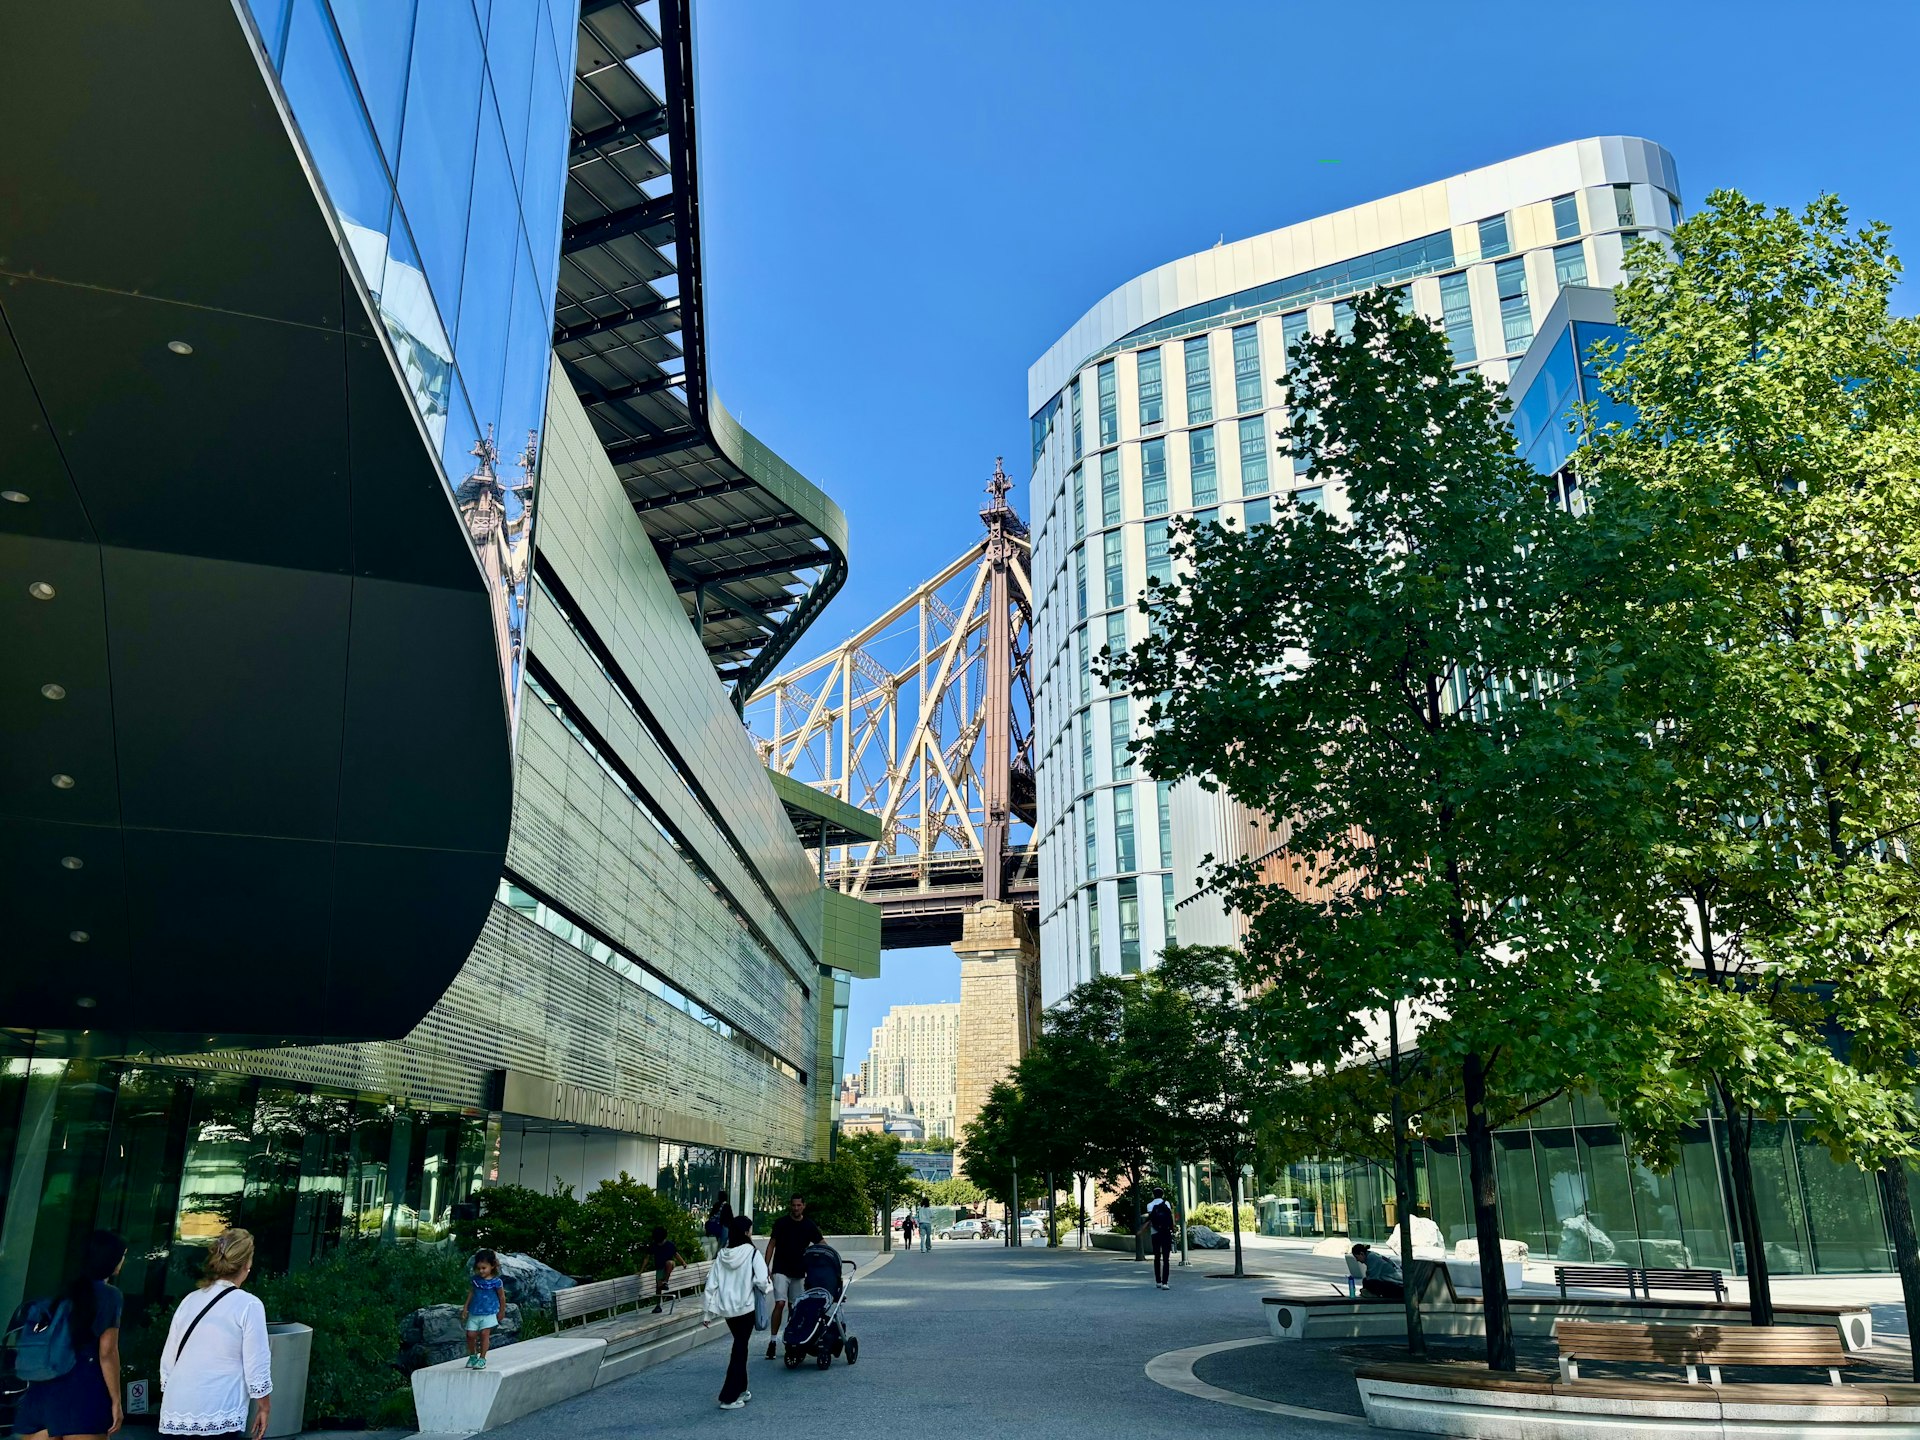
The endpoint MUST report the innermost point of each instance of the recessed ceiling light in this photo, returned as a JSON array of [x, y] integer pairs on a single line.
[[86, 1002], [179, 347], [72, 862], [53, 691], [79, 937], [63, 782], [14, 497], [40, 590]]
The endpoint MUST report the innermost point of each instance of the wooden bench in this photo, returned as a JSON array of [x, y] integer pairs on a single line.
[[608, 1297], [1692, 1346], [1639, 1279]]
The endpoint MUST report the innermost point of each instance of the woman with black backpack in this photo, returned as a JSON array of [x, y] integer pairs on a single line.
[[83, 1400]]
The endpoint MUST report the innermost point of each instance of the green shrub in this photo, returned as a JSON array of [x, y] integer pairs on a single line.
[[956, 1192], [610, 1232], [354, 1299], [522, 1221], [1219, 1217], [396, 1412], [1067, 1216], [836, 1195]]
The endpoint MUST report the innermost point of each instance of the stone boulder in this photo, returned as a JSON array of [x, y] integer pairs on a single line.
[[530, 1281], [1200, 1237], [434, 1333]]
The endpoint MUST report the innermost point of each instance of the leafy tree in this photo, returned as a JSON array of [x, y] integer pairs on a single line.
[[991, 1146], [885, 1179], [956, 1192], [836, 1193], [520, 1220], [608, 1233], [933, 1145], [1392, 685], [1763, 481]]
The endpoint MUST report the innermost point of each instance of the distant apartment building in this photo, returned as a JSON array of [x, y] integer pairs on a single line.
[[913, 1064]]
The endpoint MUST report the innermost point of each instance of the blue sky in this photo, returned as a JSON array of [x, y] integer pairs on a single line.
[[905, 203]]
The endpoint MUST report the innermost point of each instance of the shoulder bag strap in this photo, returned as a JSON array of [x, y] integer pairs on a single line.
[[204, 1312]]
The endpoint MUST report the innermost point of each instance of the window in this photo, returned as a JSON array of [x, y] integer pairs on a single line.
[[1117, 633], [1086, 753], [1079, 504], [1456, 313], [1257, 512], [1129, 927], [1086, 664], [1093, 851], [1110, 488], [1153, 403], [1080, 580], [1199, 381], [1493, 238], [1343, 319], [1516, 321], [1310, 498], [1116, 572], [1119, 732], [1569, 265], [1246, 368], [1293, 329], [1673, 212], [1093, 926], [1206, 483], [1166, 904], [1153, 477], [1163, 804], [1566, 217], [1623, 205], [1159, 560], [1125, 854], [1073, 405], [1109, 405], [1253, 456]]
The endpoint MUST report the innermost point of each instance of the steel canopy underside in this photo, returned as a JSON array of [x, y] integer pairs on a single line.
[[281, 707], [738, 529]]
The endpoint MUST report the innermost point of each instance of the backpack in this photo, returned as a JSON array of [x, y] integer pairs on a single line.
[[42, 1340], [716, 1227], [1160, 1217]]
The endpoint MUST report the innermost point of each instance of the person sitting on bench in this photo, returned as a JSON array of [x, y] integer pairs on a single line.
[[1382, 1277]]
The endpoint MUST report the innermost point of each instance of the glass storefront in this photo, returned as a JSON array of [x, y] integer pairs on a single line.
[[1572, 1192]]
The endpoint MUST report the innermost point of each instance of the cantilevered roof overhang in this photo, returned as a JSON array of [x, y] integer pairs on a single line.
[[754, 550]]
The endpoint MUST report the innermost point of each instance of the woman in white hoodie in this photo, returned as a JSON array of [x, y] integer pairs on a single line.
[[739, 1273]]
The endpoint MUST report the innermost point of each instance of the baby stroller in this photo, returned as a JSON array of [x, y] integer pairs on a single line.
[[814, 1326]]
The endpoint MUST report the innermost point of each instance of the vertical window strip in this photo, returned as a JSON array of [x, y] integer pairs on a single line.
[[1153, 402], [1109, 404], [1199, 381], [1159, 556], [1456, 311], [1516, 320], [1566, 217], [1125, 855], [1153, 477], [1201, 469], [1246, 367], [1110, 488], [1253, 456], [1119, 731], [1116, 572], [1129, 927], [1493, 238], [1293, 329], [1073, 398], [1569, 265]]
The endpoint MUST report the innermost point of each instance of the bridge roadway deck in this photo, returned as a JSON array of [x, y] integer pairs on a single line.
[[973, 1339]]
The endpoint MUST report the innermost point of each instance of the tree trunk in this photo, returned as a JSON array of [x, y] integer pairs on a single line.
[[1080, 1203], [1403, 1190], [1747, 1210], [1486, 1218], [1133, 1189], [1897, 1202], [886, 1230], [1053, 1225], [1239, 1264]]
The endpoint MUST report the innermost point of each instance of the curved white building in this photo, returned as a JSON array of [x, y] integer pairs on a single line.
[[1165, 399]]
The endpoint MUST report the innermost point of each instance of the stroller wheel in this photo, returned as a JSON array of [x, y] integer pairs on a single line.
[[826, 1359], [794, 1357], [853, 1350]]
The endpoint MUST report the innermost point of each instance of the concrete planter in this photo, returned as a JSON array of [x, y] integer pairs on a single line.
[[289, 1348]]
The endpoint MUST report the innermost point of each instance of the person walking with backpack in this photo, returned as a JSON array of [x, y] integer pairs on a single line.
[[734, 1284], [215, 1359], [68, 1350], [1161, 1223]]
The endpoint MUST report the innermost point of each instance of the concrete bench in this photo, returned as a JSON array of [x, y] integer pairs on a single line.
[[1464, 1401], [1777, 1347]]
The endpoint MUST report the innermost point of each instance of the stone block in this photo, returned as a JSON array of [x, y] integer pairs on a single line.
[[453, 1400]]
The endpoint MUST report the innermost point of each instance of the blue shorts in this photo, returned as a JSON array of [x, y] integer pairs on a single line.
[[481, 1322]]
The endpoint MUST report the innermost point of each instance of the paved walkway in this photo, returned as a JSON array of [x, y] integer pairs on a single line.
[[974, 1339]]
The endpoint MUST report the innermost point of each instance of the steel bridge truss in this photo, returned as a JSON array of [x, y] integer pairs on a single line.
[[924, 718]]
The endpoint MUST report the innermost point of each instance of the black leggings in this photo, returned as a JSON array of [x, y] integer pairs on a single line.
[[1162, 1259], [736, 1386]]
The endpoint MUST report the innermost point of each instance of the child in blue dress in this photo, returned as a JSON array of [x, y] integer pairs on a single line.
[[481, 1313]]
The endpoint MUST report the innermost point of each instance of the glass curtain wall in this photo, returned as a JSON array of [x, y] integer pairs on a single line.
[[439, 131]]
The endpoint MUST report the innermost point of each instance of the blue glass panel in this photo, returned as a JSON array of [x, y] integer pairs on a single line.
[[524, 396], [413, 323], [1566, 217], [457, 450], [544, 179], [1493, 238], [271, 18], [511, 53], [481, 8], [1547, 395], [436, 148], [378, 36], [486, 289], [326, 105]]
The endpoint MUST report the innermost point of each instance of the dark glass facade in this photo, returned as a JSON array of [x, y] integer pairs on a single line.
[[439, 131]]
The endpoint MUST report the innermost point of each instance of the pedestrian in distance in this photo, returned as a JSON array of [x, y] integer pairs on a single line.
[[481, 1314], [68, 1349], [666, 1256], [216, 1356], [787, 1260], [906, 1232], [738, 1275], [1160, 1227], [925, 1223], [718, 1219]]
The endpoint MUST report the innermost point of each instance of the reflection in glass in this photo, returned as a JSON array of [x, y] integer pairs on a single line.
[[320, 87], [413, 323], [436, 149]]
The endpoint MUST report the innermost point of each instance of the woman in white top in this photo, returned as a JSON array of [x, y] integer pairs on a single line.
[[216, 1355], [739, 1273]]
